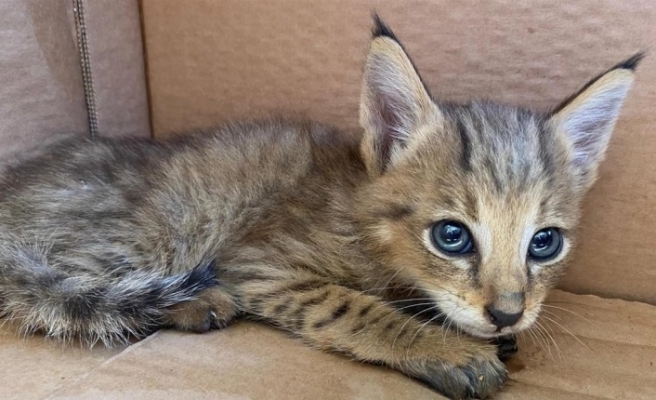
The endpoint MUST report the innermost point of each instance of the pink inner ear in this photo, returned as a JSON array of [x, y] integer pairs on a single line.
[[588, 141], [387, 134], [396, 109], [394, 99], [591, 124]]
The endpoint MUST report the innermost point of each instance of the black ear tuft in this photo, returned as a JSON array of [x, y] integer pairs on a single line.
[[631, 63], [381, 29]]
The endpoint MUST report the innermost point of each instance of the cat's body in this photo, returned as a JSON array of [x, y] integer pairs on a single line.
[[302, 226], [260, 201]]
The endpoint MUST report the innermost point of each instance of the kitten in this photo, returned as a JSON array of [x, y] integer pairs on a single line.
[[463, 213]]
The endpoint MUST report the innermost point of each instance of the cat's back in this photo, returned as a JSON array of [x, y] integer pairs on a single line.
[[254, 167], [253, 157], [247, 180], [273, 150], [201, 189]]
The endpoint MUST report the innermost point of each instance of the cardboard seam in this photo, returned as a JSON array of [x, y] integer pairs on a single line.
[[592, 338], [611, 299], [111, 359], [85, 64], [144, 52]]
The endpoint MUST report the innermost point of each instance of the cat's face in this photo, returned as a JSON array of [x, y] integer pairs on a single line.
[[485, 231], [477, 205]]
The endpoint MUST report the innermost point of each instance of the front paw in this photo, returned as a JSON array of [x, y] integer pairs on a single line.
[[480, 376], [213, 309]]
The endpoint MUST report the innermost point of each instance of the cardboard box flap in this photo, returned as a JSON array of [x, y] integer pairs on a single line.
[[33, 367], [613, 356], [245, 361]]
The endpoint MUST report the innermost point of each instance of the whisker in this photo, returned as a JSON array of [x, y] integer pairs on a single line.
[[530, 332], [406, 322], [412, 340], [384, 304], [451, 321], [568, 331], [578, 304], [522, 338], [552, 334], [571, 312], [442, 294], [398, 271], [539, 328], [553, 314]]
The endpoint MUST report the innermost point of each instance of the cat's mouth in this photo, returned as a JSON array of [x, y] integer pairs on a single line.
[[485, 330], [456, 314], [484, 333]]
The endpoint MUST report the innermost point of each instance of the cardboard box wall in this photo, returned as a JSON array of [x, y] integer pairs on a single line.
[[42, 90], [214, 60], [614, 354]]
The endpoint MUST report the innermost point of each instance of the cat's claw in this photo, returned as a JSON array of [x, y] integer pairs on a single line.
[[211, 322], [506, 347]]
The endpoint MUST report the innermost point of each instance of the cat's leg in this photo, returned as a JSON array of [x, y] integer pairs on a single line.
[[339, 319], [214, 308]]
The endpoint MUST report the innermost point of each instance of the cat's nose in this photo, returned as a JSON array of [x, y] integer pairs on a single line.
[[501, 319]]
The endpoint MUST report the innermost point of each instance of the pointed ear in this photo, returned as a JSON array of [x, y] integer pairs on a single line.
[[587, 118], [394, 102]]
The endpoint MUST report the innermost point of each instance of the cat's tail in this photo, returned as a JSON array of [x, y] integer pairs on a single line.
[[92, 309]]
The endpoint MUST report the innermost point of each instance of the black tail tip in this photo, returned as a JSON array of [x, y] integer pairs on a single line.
[[381, 29], [202, 276], [632, 62]]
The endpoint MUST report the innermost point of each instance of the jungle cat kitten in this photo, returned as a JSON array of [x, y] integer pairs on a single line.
[[468, 210]]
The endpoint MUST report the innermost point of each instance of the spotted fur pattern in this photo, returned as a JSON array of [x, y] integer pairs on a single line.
[[320, 233]]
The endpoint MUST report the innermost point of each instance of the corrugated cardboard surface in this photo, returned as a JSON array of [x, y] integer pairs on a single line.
[[32, 368], [213, 60], [41, 92], [612, 356]]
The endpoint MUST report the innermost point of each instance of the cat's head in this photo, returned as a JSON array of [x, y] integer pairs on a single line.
[[477, 204]]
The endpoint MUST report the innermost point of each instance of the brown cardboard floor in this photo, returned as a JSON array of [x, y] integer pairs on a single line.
[[613, 356]]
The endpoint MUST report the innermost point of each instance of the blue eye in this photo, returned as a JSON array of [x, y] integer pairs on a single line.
[[451, 237], [545, 245]]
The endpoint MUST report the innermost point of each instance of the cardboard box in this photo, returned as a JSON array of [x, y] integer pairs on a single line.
[[206, 61]]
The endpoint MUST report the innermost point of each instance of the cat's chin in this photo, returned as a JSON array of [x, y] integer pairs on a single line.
[[485, 333]]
